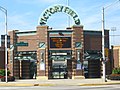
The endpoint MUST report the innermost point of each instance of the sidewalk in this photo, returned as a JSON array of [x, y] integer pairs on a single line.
[[59, 82]]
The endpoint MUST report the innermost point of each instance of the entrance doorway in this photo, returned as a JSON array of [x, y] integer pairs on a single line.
[[28, 69], [25, 65], [60, 64], [92, 68], [59, 69]]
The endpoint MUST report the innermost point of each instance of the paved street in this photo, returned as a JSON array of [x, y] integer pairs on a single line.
[[103, 87]]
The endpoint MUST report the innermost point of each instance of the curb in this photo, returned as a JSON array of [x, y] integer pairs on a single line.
[[11, 85], [99, 84], [45, 85], [37, 84], [24, 85]]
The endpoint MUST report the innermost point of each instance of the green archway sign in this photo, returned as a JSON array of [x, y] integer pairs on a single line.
[[58, 8]]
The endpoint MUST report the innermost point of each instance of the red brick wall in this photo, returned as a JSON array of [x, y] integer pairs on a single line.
[[31, 40], [116, 57], [2, 58], [92, 42]]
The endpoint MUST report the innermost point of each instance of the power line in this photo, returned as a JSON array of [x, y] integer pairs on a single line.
[[114, 35], [112, 4]]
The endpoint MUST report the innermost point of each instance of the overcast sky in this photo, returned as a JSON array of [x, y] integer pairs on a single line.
[[24, 15]]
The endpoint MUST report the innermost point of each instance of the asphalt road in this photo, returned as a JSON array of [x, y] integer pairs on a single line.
[[103, 87]]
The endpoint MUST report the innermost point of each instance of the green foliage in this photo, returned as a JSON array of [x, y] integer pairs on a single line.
[[9, 78], [116, 71], [2, 72]]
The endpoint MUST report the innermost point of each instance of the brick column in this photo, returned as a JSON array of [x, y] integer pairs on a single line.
[[13, 64], [42, 35], [77, 36]]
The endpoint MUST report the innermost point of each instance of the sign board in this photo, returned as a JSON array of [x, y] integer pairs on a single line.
[[22, 44], [79, 66], [106, 52], [58, 8], [60, 42], [42, 66], [59, 53]]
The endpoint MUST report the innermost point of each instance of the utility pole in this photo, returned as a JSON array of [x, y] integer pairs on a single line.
[[6, 65], [103, 45], [103, 38]]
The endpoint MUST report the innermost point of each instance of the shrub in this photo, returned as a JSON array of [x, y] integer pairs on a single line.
[[114, 77], [116, 71], [2, 72], [1, 76], [115, 74], [9, 78]]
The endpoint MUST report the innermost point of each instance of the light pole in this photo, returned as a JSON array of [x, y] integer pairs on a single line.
[[5, 12], [103, 43]]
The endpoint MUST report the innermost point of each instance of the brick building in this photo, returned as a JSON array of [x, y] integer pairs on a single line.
[[2, 58], [53, 53], [2, 51], [116, 56], [68, 53]]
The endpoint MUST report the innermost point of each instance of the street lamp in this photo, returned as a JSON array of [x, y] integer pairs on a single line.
[[5, 11], [103, 43]]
